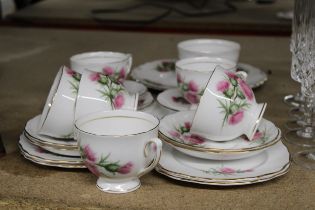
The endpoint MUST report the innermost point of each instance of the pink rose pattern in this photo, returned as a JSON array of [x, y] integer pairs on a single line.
[[76, 77], [89, 159], [183, 135], [226, 171], [191, 90], [235, 89], [109, 89], [116, 76]]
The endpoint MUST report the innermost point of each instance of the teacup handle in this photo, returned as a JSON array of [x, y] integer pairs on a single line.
[[158, 143], [129, 62]]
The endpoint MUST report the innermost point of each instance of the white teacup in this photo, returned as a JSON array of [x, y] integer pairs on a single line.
[[193, 74], [57, 118], [227, 108], [119, 147], [209, 48], [97, 92], [113, 64]]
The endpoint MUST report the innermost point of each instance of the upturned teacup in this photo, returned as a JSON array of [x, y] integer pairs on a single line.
[[193, 74], [57, 118], [98, 92], [227, 109], [210, 48], [118, 147], [113, 64]]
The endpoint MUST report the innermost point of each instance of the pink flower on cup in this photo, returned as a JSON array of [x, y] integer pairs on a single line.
[[119, 101], [223, 86], [122, 73], [231, 75], [246, 89], [108, 71], [95, 76], [179, 78], [191, 97], [125, 169], [187, 125], [70, 72], [92, 168], [89, 154], [192, 86], [236, 117], [227, 170]]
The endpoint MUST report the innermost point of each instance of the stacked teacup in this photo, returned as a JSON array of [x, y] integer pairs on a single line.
[[224, 121], [91, 111]]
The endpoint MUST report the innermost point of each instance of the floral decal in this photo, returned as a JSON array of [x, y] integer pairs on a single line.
[[235, 89], [226, 171], [109, 89], [179, 99], [76, 77], [260, 137], [183, 135], [90, 161], [190, 90], [114, 75], [166, 66]]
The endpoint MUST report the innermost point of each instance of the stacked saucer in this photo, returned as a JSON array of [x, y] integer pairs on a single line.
[[225, 141], [192, 158], [49, 151]]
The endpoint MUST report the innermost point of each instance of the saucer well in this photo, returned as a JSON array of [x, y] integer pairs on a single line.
[[175, 130], [40, 156], [267, 165], [31, 132], [158, 74], [145, 100], [172, 99]]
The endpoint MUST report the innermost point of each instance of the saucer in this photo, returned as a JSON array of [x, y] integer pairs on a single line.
[[172, 99], [40, 156], [158, 74], [58, 151], [31, 132], [134, 87], [271, 163], [157, 110], [255, 76], [175, 130], [145, 100], [150, 75]]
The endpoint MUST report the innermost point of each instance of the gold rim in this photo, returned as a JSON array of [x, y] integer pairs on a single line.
[[166, 172], [51, 144], [78, 162], [215, 150], [223, 183], [44, 145]]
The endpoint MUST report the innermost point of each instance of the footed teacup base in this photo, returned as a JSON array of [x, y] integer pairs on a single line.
[[117, 186]]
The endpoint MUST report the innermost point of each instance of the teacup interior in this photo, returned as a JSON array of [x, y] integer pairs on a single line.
[[118, 125], [205, 66]]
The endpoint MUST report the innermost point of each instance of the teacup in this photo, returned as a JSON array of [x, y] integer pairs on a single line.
[[227, 109], [119, 147], [209, 48], [57, 118], [98, 92], [113, 64], [193, 74]]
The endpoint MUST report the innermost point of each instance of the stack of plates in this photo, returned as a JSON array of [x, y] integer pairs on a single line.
[[46, 150], [191, 158]]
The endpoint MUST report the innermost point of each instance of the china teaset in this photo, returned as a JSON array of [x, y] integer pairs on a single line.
[[207, 117]]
